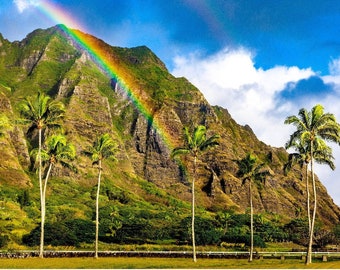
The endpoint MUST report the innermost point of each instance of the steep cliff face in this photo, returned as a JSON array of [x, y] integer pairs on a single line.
[[48, 61], [14, 151]]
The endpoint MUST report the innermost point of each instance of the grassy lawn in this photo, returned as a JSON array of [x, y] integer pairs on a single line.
[[128, 262]]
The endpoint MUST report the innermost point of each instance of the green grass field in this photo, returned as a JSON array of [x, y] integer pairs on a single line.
[[128, 262]]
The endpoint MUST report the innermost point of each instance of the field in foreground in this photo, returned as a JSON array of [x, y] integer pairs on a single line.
[[125, 262]]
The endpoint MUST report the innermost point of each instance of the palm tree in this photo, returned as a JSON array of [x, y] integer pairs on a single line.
[[194, 144], [41, 112], [224, 218], [251, 171], [103, 148], [57, 151], [313, 129]]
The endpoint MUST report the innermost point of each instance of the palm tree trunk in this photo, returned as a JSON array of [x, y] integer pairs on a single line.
[[251, 224], [97, 209], [42, 208], [308, 200], [193, 214], [311, 231], [45, 184]]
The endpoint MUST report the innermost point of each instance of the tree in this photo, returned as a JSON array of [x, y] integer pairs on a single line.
[[223, 218], [313, 128], [41, 112], [251, 171], [194, 145], [57, 150], [103, 148]]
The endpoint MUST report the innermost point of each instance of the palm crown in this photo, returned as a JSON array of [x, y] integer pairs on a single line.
[[41, 112]]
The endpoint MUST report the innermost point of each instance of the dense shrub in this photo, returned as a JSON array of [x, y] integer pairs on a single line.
[[56, 234], [68, 233], [137, 230], [297, 230], [83, 230], [206, 231], [269, 232], [4, 239]]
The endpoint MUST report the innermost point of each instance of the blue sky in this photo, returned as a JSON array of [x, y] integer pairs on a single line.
[[263, 60]]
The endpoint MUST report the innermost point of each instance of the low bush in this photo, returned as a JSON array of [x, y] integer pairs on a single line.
[[68, 233], [4, 239]]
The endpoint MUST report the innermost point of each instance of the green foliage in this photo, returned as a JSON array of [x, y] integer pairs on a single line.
[[55, 234], [103, 148], [116, 194], [4, 239], [82, 229], [68, 233], [297, 230], [249, 169], [24, 198], [206, 232], [40, 111], [269, 232]]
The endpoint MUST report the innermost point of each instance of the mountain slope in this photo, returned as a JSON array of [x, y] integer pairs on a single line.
[[145, 177]]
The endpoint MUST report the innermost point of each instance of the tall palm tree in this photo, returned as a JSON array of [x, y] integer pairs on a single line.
[[57, 150], [103, 148], [251, 171], [194, 144], [41, 112], [313, 129]]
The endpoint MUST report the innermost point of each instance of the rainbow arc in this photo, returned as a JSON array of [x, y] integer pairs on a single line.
[[105, 61]]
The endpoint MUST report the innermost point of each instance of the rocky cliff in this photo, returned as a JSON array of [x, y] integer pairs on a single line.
[[49, 61]]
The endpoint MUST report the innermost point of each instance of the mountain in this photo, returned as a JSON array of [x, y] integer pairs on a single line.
[[145, 116]]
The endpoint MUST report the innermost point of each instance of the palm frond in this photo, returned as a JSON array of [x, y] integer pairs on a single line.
[[104, 147]]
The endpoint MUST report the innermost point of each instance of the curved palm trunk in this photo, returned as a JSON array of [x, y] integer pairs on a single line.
[[193, 214], [42, 206], [311, 231], [43, 210], [251, 224], [97, 210]]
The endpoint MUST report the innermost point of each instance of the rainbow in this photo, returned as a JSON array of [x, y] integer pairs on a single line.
[[86, 42]]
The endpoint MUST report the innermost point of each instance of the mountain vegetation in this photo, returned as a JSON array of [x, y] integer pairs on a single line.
[[145, 195]]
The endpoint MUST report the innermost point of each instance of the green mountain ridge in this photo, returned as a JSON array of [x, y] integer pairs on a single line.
[[145, 186]]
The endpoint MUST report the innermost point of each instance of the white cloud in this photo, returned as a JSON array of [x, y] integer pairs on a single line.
[[230, 79], [22, 5]]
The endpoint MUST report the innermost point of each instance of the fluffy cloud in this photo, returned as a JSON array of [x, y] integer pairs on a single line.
[[22, 5]]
